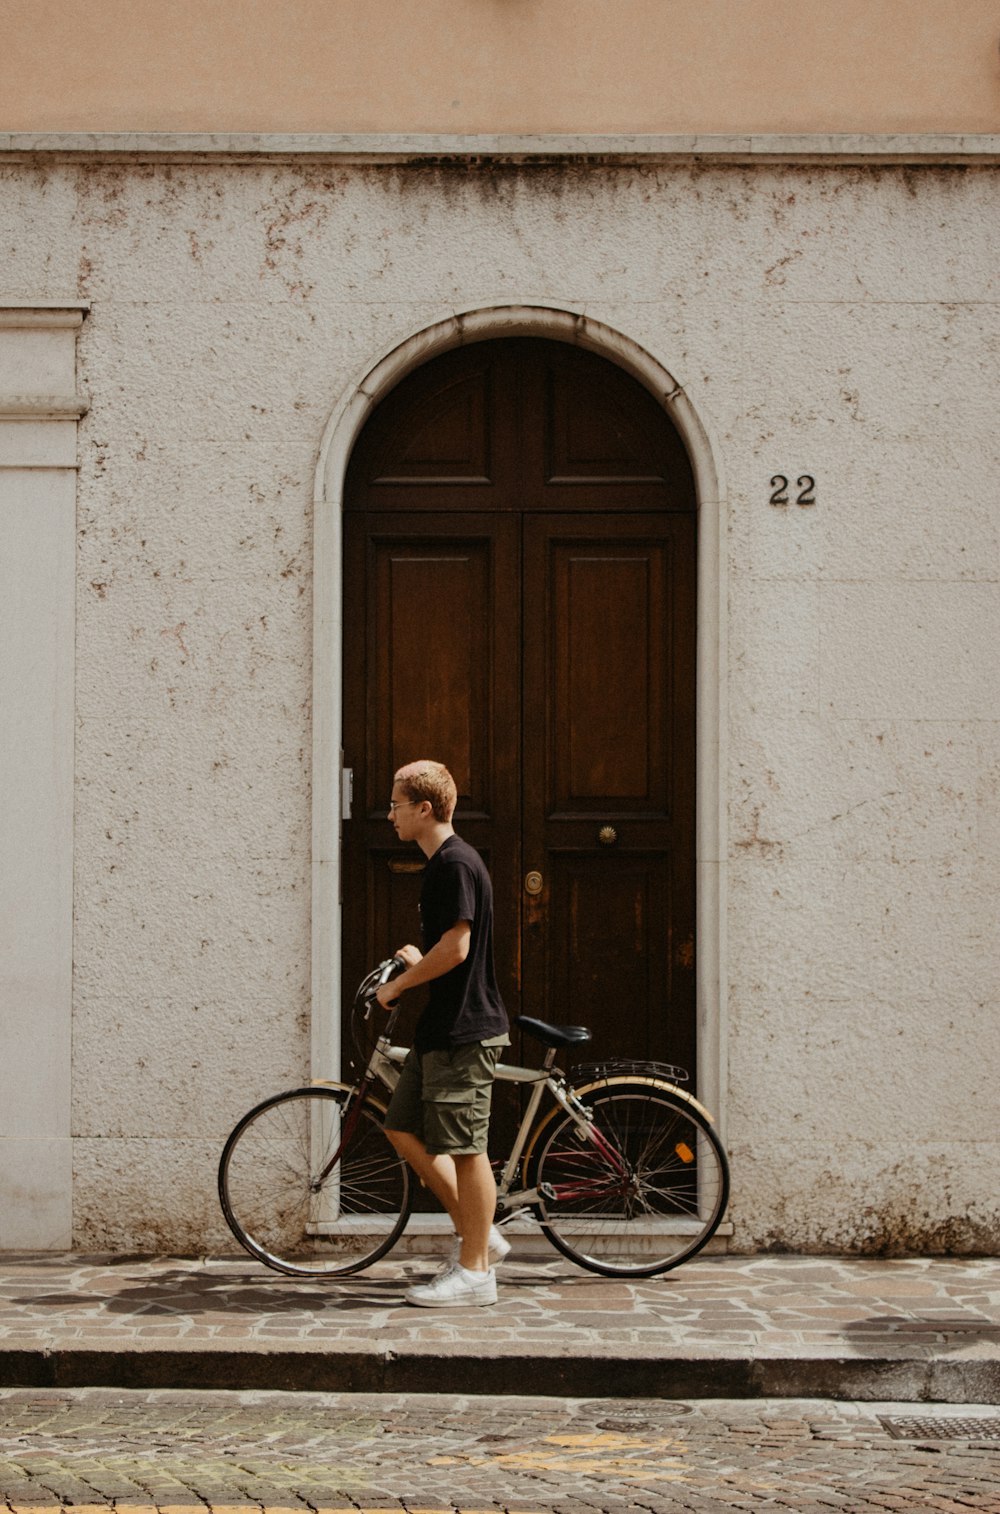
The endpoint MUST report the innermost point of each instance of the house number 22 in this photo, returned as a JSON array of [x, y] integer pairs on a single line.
[[805, 486]]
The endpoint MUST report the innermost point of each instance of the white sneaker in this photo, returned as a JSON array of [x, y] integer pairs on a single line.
[[455, 1288], [498, 1249]]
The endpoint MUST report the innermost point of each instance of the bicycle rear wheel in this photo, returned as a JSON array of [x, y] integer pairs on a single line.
[[288, 1210], [645, 1194]]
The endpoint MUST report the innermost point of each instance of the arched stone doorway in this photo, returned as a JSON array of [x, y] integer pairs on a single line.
[[343, 432]]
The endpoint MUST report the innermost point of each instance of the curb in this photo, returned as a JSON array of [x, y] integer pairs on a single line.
[[608, 1375]]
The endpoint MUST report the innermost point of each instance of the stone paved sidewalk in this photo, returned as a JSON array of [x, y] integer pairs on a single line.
[[906, 1330]]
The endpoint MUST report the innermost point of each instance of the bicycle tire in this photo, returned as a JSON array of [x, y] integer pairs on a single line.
[[271, 1199], [652, 1199]]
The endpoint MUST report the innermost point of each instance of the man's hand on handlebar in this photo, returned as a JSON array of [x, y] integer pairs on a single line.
[[388, 994]]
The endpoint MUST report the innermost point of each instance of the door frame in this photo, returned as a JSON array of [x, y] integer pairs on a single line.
[[356, 404]]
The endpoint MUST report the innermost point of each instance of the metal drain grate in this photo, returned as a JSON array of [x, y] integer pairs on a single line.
[[912, 1427], [627, 1420]]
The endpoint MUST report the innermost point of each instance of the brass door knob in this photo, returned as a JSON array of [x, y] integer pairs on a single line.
[[533, 883], [607, 835]]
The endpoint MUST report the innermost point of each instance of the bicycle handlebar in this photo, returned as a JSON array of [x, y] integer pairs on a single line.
[[368, 988]]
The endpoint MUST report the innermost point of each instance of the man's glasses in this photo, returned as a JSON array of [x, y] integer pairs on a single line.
[[398, 804]]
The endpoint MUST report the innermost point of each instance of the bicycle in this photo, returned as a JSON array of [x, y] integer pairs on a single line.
[[626, 1175]]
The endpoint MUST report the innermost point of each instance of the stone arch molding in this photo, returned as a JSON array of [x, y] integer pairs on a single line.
[[330, 799]]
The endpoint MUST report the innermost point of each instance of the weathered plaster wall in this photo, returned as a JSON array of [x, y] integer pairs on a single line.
[[839, 322]]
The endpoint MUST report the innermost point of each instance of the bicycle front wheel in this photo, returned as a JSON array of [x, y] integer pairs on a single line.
[[639, 1192], [310, 1185]]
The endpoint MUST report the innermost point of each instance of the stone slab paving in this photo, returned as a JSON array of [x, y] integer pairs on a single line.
[[920, 1329], [242, 1453]]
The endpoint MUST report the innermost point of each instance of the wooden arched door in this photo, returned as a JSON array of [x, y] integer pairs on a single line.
[[519, 603]]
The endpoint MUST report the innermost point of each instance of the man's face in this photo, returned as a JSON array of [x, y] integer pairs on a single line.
[[405, 815]]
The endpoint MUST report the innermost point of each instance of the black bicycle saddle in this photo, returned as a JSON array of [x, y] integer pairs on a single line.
[[554, 1035]]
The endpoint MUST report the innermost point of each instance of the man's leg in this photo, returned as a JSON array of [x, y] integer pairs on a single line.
[[436, 1172], [458, 1172], [465, 1187], [477, 1202]]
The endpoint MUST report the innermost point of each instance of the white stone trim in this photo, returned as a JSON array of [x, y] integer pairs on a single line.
[[434, 149], [342, 430], [47, 407], [37, 646], [53, 313]]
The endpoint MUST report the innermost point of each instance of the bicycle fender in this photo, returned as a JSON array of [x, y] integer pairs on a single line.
[[679, 1093]]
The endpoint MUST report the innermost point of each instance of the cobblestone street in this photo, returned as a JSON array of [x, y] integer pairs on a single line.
[[235, 1451]]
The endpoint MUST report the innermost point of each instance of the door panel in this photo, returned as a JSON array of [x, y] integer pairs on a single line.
[[451, 436], [431, 647], [444, 439], [608, 664], [431, 665], [605, 613], [604, 949]]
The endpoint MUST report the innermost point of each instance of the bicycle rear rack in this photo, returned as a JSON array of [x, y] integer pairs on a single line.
[[619, 1067]]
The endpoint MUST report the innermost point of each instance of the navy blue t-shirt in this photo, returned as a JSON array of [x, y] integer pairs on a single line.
[[464, 1004]]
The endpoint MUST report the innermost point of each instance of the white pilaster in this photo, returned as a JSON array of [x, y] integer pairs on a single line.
[[39, 410]]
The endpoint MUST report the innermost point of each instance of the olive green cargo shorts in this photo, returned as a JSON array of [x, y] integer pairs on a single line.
[[443, 1098]]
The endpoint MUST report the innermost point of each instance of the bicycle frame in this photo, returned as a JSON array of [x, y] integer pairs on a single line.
[[384, 1066]]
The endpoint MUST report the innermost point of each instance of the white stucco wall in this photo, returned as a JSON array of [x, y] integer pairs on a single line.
[[842, 322]]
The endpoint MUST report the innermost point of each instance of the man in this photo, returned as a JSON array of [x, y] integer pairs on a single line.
[[438, 1117]]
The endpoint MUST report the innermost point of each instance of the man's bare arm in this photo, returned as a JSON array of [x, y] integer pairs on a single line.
[[449, 952]]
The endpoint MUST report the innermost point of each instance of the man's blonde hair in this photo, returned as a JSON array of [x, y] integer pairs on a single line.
[[431, 781]]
